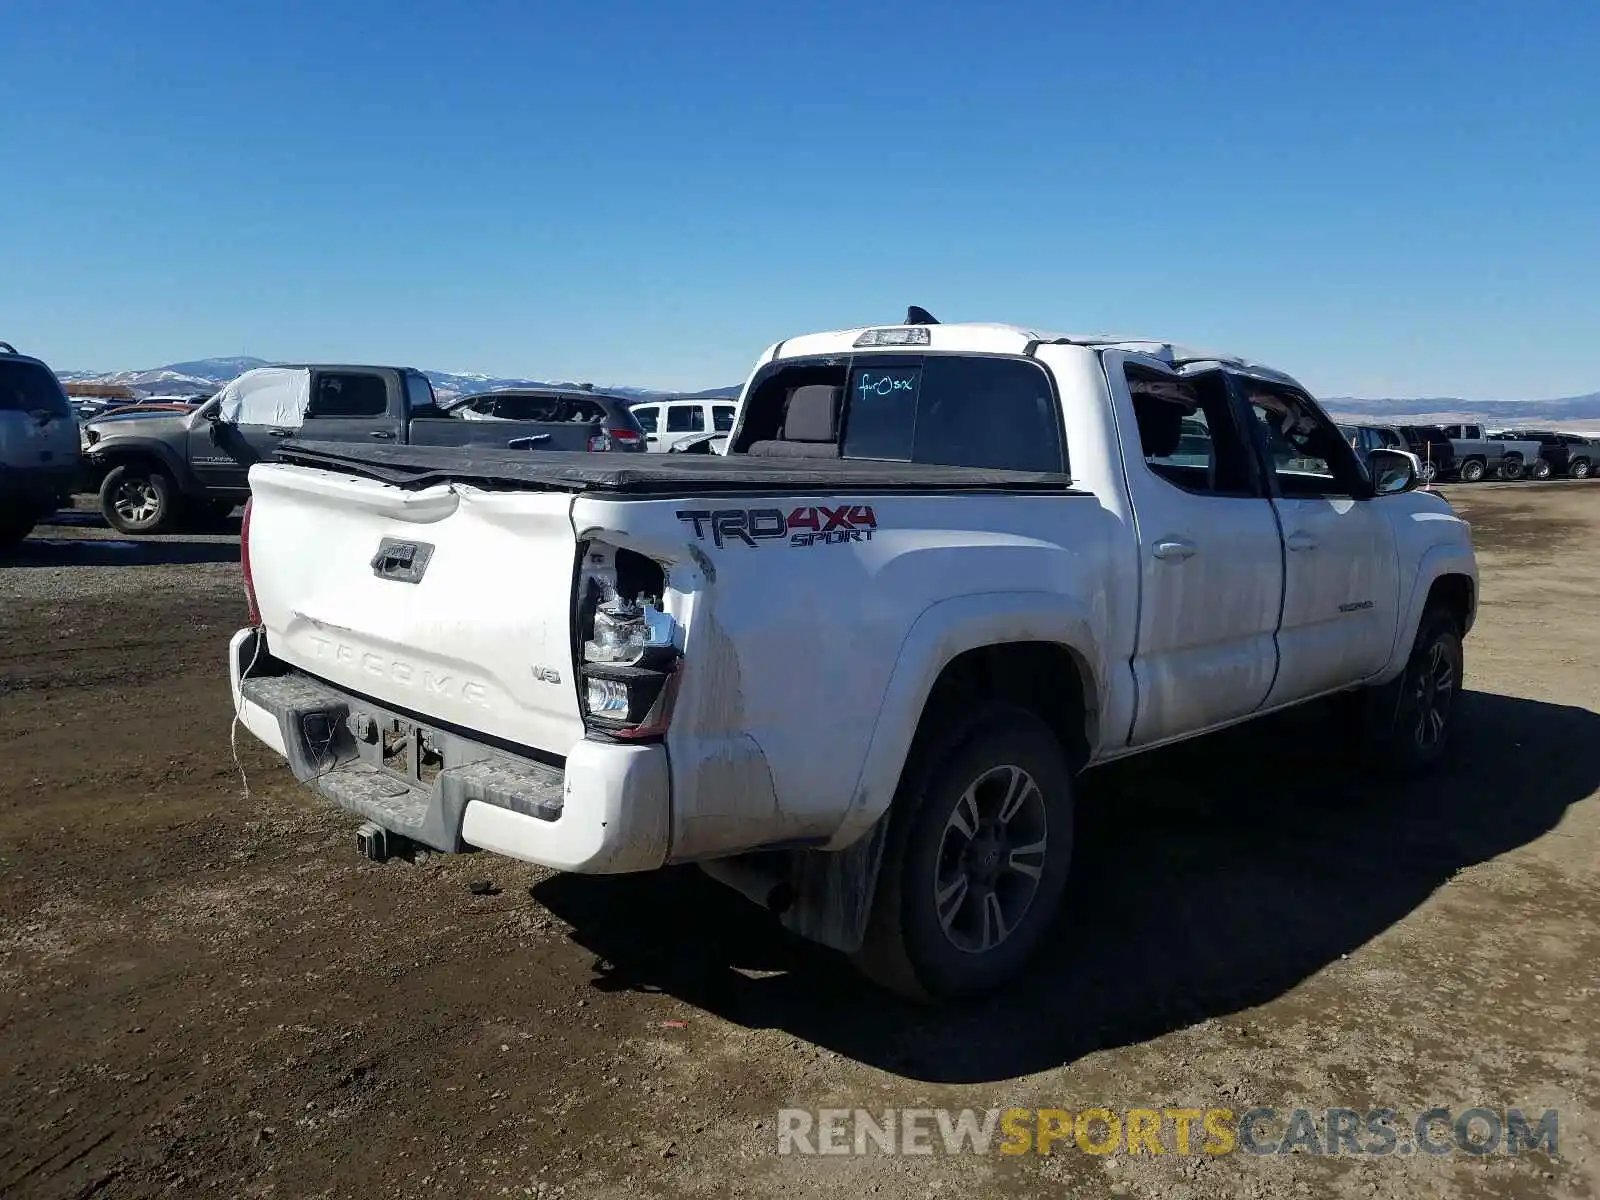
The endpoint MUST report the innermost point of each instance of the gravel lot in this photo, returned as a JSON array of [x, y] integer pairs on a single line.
[[203, 990]]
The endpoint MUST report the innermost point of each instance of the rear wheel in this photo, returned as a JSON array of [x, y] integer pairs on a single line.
[[135, 498], [1540, 470], [1429, 472], [1511, 467], [978, 848], [1472, 470]]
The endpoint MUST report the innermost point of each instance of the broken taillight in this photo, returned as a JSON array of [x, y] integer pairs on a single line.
[[629, 650]]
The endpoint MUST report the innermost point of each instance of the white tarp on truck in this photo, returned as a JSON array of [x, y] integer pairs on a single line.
[[276, 396]]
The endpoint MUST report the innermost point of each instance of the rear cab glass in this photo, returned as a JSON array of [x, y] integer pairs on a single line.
[[953, 410], [998, 412], [30, 387]]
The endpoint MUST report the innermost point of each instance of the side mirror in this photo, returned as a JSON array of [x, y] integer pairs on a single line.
[[1393, 471]]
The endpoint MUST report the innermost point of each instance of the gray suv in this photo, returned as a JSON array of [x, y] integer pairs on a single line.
[[38, 445]]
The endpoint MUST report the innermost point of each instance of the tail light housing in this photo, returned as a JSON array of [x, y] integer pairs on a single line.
[[244, 566], [616, 439], [629, 651]]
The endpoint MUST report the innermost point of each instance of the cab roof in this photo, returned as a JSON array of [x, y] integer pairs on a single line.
[[981, 337]]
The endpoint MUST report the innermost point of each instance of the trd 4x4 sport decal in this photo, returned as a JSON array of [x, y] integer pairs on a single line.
[[805, 526]]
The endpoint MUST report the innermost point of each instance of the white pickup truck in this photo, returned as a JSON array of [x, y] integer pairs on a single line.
[[853, 666]]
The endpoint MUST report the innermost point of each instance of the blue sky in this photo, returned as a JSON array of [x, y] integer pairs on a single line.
[[1377, 197]]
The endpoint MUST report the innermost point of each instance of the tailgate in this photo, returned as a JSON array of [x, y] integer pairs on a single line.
[[450, 602]]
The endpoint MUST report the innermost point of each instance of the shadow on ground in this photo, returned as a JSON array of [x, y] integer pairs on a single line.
[[47, 547], [1208, 878]]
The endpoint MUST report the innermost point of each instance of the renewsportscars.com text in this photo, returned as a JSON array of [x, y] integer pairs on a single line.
[[1161, 1131]]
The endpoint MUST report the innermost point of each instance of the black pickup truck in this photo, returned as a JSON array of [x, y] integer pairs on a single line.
[[1561, 454], [157, 471]]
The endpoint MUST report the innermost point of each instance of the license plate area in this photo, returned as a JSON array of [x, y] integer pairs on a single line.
[[409, 751]]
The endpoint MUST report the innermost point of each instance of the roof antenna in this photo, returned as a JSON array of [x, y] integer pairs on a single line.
[[920, 316]]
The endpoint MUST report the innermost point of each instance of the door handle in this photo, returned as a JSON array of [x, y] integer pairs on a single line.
[[1174, 548], [381, 435], [1300, 541]]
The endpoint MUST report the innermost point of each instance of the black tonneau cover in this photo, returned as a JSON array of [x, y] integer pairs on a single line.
[[651, 474]]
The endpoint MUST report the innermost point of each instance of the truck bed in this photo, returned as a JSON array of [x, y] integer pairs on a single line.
[[413, 467]]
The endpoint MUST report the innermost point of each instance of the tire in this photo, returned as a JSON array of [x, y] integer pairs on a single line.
[[14, 529], [139, 499], [1472, 470], [1428, 473], [211, 514], [1406, 723], [1540, 470], [956, 915], [1579, 468], [1511, 467]]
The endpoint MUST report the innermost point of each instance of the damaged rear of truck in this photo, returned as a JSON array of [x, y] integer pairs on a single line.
[[578, 666]]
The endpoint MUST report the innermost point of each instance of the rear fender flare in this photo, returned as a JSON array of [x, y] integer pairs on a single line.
[[940, 634]]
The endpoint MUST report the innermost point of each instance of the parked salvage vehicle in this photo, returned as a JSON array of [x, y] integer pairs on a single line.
[[155, 472], [1478, 455], [1433, 448], [38, 445], [853, 666], [667, 423], [1561, 454]]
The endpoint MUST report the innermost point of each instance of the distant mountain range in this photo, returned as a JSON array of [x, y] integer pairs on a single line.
[[203, 376]]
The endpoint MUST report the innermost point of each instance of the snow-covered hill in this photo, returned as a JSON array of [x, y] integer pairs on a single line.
[[203, 376]]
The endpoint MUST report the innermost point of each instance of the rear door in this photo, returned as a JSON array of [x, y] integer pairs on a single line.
[[681, 421], [349, 404], [1341, 566], [1210, 562]]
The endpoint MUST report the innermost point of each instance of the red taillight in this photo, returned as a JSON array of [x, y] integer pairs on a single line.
[[244, 565], [626, 437]]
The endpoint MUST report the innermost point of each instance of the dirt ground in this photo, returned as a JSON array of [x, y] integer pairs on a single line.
[[204, 990]]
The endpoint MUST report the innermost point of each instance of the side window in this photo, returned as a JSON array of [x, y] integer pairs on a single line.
[[685, 418], [419, 392], [954, 410], [1304, 450], [347, 394], [722, 418], [584, 412], [528, 408], [1188, 435], [647, 416]]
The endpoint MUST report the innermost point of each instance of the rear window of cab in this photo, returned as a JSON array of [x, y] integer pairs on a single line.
[[27, 386]]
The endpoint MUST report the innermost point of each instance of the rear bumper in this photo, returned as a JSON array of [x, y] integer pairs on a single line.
[[604, 809], [42, 489]]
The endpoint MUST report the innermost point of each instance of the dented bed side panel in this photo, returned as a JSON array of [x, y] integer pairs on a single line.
[[797, 613]]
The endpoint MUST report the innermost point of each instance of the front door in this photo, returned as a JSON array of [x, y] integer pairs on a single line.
[[1341, 568], [1211, 567], [221, 453]]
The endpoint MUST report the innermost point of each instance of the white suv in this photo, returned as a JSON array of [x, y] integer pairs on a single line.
[[668, 422]]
